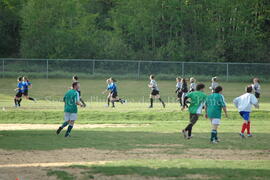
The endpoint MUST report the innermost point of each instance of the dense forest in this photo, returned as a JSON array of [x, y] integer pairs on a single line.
[[175, 30]]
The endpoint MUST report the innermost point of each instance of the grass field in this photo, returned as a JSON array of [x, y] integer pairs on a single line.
[[128, 142]]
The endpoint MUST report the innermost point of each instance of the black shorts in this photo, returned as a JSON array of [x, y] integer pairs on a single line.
[[257, 95], [154, 92], [179, 94], [25, 92], [114, 94], [19, 94]]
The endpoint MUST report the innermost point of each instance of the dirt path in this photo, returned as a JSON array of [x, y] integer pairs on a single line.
[[54, 126]]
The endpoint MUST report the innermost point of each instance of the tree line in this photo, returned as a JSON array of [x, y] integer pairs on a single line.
[[175, 30]]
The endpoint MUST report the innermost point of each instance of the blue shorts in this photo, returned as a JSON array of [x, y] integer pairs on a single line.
[[245, 115]]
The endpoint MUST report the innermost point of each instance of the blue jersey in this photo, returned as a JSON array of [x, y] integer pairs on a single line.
[[20, 87], [26, 84], [112, 87]]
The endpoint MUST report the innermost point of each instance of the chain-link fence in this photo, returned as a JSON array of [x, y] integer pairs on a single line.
[[53, 68]]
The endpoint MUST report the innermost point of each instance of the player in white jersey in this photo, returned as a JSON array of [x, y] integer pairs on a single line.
[[178, 90], [192, 86], [154, 91], [214, 84], [256, 87]]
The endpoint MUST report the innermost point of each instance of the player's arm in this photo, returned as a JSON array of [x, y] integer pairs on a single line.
[[225, 111]]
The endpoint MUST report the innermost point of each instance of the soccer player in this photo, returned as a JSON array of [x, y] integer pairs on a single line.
[[197, 98], [256, 87], [184, 91], [192, 86], [26, 84], [71, 100], [154, 91], [112, 88], [178, 90], [213, 107], [76, 79], [214, 84], [19, 92], [244, 104]]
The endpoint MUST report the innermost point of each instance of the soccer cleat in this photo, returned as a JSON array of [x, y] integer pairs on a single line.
[[67, 135], [35, 100], [150, 106], [59, 130], [189, 137], [249, 135], [218, 140], [242, 135], [184, 133], [214, 142]]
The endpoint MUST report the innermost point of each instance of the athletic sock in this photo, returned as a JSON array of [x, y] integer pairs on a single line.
[[248, 127], [244, 126], [19, 102], [113, 104], [32, 99], [213, 135], [189, 129], [68, 130], [64, 124], [15, 101], [151, 101], [108, 101], [216, 135]]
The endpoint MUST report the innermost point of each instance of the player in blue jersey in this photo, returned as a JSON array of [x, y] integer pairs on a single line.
[[19, 92], [26, 84], [112, 88]]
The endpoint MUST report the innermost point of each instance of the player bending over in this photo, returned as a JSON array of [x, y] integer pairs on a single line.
[[154, 91], [213, 107], [26, 85], [197, 98], [19, 92], [76, 79], [244, 104], [71, 100]]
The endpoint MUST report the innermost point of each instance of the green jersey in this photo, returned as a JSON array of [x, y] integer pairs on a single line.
[[70, 99], [197, 101], [214, 103]]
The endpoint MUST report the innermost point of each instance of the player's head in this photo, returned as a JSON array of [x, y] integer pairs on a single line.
[[20, 78], [75, 78], [256, 80], [76, 85], [25, 78], [249, 89], [192, 80], [183, 80], [214, 79], [178, 79], [108, 81], [200, 87], [218, 89], [151, 77], [113, 80]]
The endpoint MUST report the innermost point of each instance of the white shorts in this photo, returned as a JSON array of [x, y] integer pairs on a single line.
[[71, 116], [215, 121]]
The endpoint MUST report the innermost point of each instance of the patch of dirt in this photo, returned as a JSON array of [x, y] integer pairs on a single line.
[[200, 176], [55, 126]]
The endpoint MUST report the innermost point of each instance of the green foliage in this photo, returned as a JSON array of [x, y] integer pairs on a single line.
[[61, 175]]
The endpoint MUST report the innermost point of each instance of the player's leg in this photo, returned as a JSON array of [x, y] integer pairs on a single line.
[[65, 123], [248, 129], [214, 136], [245, 116], [151, 98], [193, 119], [71, 124], [108, 100], [159, 98]]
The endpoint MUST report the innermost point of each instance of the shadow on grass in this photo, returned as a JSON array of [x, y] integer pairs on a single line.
[[120, 140]]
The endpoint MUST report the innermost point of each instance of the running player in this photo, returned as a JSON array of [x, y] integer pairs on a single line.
[[184, 91], [197, 98], [71, 100], [192, 86], [19, 92], [256, 87], [154, 91], [113, 94], [178, 90], [214, 84], [76, 79], [26, 84]]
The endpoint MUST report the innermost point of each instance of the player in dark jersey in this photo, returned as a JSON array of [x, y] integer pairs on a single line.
[[19, 92], [76, 79]]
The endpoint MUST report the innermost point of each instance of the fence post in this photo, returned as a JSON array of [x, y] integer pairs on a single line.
[[138, 70], [47, 68], [93, 67], [183, 69], [3, 68], [227, 71]]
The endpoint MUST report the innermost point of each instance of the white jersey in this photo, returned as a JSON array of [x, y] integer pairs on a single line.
[[192, 86], [178, 85], [154, 85], [213, 85], [245, 102], [256, 87]]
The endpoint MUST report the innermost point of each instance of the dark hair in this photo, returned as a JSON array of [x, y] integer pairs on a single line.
[[200, 86], [184, 80], [249, 89], [152, 76], [76, 77], [20, 78], [75, 84], [218, 89], [113, 80]]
